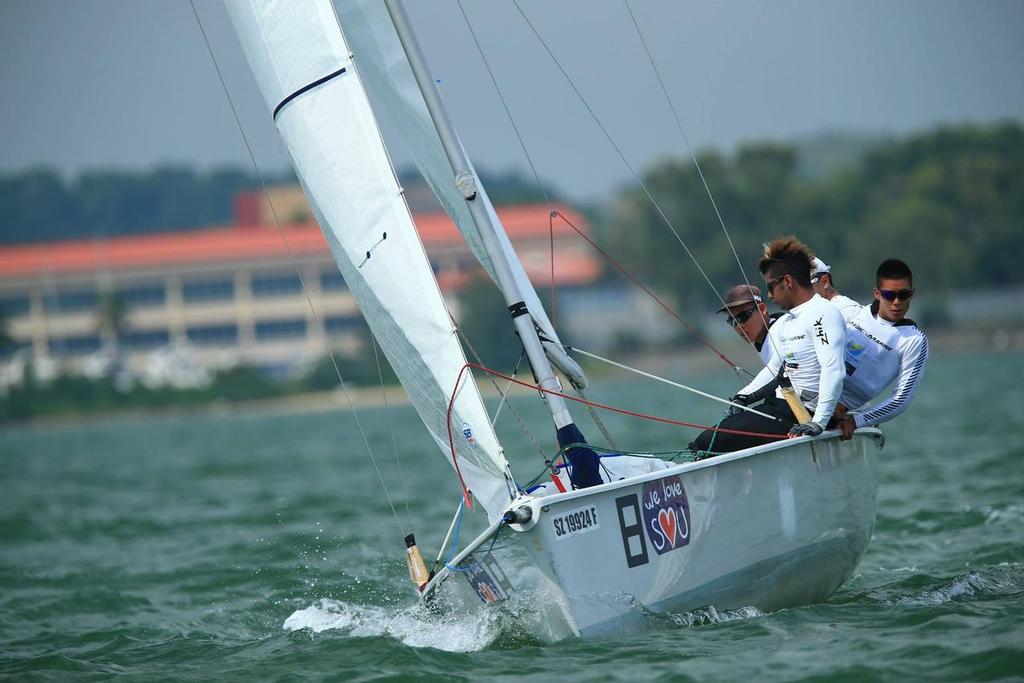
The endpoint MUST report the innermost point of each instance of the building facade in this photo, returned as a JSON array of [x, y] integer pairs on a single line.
[[246, 292]]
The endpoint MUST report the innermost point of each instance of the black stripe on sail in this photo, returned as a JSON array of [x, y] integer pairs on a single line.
[[310, 86]]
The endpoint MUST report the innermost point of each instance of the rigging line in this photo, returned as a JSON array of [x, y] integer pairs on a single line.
[[391, 429], [670, 383], [693, 156], [298, 271], [599, 422], [494, 383], [452, 529], [504, 392], [618, 150], [603, 406], [551, 237], [668, 309], [554, 212], [522, 145], [504, 103]]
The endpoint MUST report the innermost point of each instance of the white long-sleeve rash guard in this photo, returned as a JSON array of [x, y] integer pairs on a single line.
[[877, 352], [811, 340]]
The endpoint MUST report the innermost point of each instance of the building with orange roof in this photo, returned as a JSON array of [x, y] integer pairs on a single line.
[[233, 293]]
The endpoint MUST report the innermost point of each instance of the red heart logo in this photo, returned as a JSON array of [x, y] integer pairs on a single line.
[[667, 521]]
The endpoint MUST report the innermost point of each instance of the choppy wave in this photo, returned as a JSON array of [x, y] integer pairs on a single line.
[[175, 549], [1011, 514], [974, 585], [709, 615], [414, 626]]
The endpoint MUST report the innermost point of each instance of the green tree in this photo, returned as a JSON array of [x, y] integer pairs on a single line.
[[7, 342], [485, 322], [949, 201]]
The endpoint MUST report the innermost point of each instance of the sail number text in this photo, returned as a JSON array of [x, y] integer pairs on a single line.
[[575, 522]]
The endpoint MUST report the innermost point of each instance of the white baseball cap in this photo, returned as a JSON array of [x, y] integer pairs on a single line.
[[819, 267]]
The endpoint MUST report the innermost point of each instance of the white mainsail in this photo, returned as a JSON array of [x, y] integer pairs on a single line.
[[306, 73], [389, 81]]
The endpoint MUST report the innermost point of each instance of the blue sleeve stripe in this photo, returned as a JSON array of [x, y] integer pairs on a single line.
[[898, 401]]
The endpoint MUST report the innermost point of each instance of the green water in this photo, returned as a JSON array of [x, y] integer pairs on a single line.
[[179, 548]]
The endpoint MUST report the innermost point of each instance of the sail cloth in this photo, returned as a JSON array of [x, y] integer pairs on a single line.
[[391, 86], [305, 72]]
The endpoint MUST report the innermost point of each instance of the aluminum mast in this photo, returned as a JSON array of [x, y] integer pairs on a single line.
[[466, 182]]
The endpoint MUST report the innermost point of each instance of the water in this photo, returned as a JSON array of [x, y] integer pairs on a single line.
[[261, 546]]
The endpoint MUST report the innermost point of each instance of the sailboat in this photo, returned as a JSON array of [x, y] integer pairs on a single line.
[[769, 527]]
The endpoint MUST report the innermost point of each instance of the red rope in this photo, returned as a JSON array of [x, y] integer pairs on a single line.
[[451, 439], [551, 236], [593, 404], [654, 296]]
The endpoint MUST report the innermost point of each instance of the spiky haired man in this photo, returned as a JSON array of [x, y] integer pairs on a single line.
[[809, 341]]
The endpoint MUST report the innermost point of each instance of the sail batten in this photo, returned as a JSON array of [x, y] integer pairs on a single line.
[[306, 74]]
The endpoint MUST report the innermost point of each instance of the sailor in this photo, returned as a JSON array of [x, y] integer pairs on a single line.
[[882, 345], [821, 280], [749, 316], [808, 341]]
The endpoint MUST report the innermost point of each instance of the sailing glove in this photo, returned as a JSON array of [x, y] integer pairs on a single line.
[[806, 429], [741, 399]]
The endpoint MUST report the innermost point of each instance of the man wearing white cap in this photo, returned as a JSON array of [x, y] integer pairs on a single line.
[[821, 282]]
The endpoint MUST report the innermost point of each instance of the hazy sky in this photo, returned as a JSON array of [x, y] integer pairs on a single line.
[[129, 83]]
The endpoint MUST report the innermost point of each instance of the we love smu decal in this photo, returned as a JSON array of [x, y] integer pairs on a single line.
[[666, 514]]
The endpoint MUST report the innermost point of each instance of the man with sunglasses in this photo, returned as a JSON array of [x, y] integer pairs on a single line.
[[883, 345], [808, 343], [749, 316]]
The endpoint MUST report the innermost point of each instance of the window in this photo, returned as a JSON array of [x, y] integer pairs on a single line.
[[145, 339], [213, 335], [331, 280], [276, 285], [292, 328], [79, 345], [14, 305], [339, 324], [195, 291], [143, 295], [72, 301]]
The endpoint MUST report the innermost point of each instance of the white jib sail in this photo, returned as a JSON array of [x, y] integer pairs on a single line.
[[306, 74], [392, 88]]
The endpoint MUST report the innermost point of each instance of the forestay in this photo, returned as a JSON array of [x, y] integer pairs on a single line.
[[389, 81], [306, 74]]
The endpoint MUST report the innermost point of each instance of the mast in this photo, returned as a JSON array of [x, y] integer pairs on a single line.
[[466, 182]]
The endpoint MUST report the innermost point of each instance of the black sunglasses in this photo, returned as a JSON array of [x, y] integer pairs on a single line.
[[770, 284], [893, 294], [741, 317]]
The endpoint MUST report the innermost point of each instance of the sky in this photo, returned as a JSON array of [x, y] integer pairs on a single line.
[[130, 83]]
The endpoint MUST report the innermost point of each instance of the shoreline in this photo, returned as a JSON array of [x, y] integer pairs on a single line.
[[691, 362]]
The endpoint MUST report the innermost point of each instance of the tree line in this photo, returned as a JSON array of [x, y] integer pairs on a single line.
[[41, 205], [949, 201]]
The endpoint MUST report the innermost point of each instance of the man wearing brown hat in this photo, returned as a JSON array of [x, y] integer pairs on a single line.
[[749, 316]]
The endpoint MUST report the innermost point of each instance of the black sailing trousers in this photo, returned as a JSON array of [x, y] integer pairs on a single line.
[[723, 442]]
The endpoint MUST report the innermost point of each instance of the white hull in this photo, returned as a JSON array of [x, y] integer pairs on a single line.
[[771, 527]]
